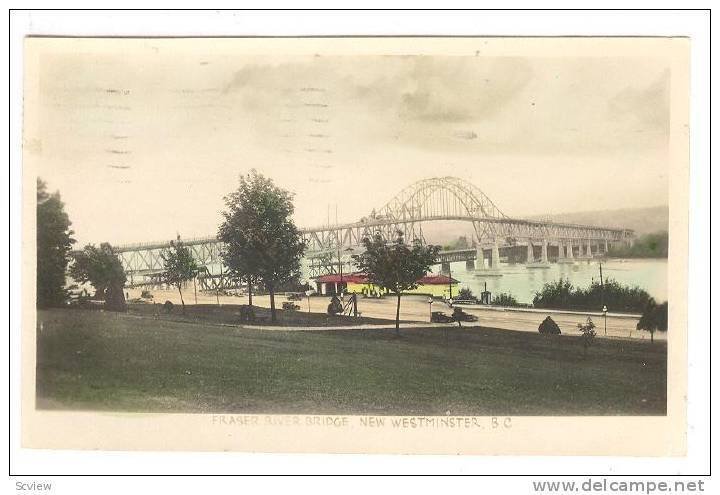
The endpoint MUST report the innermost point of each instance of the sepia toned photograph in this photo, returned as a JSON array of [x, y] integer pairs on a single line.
[[464, 234]]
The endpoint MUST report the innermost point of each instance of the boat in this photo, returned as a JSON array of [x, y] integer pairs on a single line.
[[488, 272], [537, 264]]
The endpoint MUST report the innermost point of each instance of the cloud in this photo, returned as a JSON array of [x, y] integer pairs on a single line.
[[647, 107], [401, 99], [461, 89]]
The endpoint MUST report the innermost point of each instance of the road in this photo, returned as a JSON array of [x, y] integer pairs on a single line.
[[416, 308]]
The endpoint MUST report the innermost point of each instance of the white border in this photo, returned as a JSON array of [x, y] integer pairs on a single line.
[[692, 24]]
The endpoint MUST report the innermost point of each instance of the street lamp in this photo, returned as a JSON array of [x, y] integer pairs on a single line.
[[602, 296], [347, 250], [430, 302], [605, 317]]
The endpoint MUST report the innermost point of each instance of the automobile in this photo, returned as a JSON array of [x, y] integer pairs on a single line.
[[440, 317], [460, 315], [294, 296], [289, 306]]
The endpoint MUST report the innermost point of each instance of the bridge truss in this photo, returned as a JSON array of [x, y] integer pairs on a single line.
[[429, 200]]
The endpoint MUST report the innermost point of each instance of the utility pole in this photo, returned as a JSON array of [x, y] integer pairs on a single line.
[[602, 287], [602, 297], [339, 291], [339, 287]]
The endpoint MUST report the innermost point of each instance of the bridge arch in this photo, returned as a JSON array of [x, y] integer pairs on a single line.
[[440, 197]]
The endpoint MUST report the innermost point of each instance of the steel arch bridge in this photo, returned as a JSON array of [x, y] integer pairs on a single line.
[[434, 199], [441, 196]]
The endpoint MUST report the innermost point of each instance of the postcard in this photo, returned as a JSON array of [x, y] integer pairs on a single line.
[[447, 245]]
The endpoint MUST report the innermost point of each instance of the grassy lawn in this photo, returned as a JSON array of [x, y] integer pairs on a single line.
[[103, 361], [230, 314]]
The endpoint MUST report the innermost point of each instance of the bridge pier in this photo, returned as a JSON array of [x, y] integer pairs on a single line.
[[479, 258], [565, 253], [544, 251], [445, 268], [469, 265], [606, 246], [530, 254], [589, 249], [495, 259]]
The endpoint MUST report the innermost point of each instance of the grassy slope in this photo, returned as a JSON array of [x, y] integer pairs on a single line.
[[101, 361], [230, 314]]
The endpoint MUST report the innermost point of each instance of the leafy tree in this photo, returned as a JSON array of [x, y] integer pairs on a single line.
[[179, 267], [460, 243], [395, 266], [54, 242], [654, 318], [260, 241], [101, 267], [557, 294], [588, 334], [293, 284]]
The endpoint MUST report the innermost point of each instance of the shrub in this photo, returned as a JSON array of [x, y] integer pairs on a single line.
[[588, 334], [561, 294], [549, 327], [505, 299], [465, 294]]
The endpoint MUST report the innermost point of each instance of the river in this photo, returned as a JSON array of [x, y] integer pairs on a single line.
[[522, 282]]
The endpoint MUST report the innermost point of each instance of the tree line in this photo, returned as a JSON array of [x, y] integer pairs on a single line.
[[561, 294], [653, 245]]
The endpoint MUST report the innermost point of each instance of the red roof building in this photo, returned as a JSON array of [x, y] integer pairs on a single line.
[[433, 284]]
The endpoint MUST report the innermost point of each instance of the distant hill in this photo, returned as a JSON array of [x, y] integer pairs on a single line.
[[641, 220]]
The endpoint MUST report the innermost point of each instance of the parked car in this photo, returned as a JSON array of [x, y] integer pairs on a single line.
[[440, 317], [460, 315]]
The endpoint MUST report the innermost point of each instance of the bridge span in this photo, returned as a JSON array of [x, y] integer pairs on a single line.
[[431, 200]]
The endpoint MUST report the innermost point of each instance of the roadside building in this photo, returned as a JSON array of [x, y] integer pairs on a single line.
[[430, 285]]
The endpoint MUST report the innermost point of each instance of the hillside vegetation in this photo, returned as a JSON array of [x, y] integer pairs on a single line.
[[646, 246]]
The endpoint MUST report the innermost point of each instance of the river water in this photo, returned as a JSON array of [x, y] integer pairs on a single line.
[[522, 282]]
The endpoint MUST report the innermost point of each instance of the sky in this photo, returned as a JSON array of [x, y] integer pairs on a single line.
[[144, 141]]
